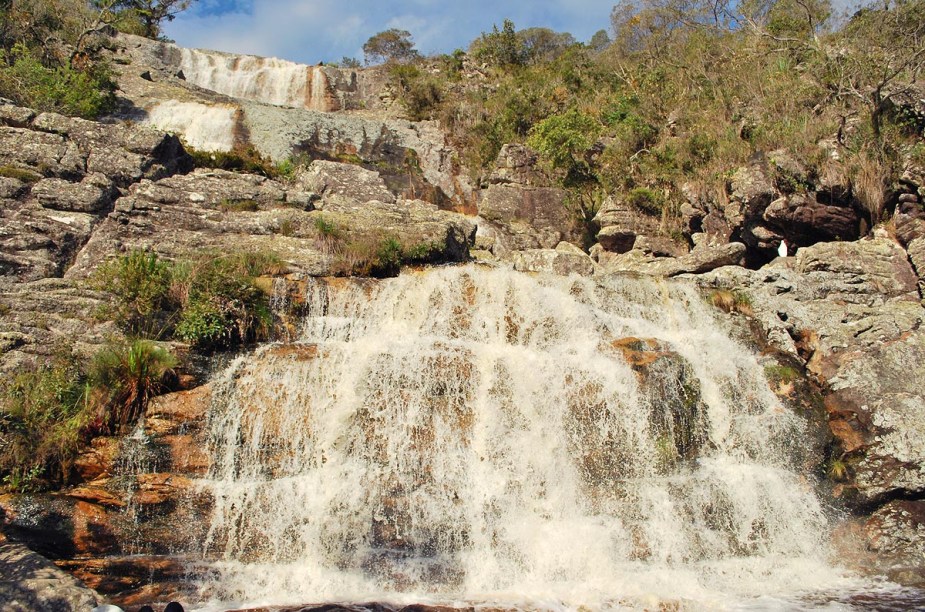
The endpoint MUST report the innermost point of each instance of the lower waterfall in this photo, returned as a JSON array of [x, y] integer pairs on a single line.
[[481, 435]]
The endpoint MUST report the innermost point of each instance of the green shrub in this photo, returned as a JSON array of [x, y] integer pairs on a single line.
[[126, 377], [224, 306], [43, 415], [645, 200], [246, 159], [141, 282], [27, 81], [420, 94]]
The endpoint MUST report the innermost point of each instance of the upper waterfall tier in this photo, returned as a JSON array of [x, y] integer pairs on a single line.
[[269, 80], [482, 435]]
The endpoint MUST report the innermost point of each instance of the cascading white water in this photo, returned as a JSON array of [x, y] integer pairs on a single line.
[[263, 79], [479, 435], [205, 127]]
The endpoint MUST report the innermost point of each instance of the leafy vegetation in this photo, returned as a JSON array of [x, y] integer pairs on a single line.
[[244, 159], [684, 92], [48, 412], [211, 301], [392, 46], [125, 377], [43, 414]]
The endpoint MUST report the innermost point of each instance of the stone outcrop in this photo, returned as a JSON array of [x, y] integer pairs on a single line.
[[31, 583], [774, 199], [221, 211], [41, 317], [851, 314], [701, 259], [61, 176], [522, 206], [565, 259]]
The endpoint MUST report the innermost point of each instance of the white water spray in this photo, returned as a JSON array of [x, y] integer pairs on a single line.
[[487, 436], [269, 80]]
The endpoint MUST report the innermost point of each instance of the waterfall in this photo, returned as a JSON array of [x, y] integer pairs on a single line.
[[205, 127], [269, 80], [474, 435]]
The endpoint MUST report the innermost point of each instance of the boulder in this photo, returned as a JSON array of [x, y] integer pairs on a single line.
[[527, 217], [517, 164], [93, 194], [896, 534], [867, 270], [331, 178], [803, 220], [565, 259], [32, 583], [616, 239], [701, 259]]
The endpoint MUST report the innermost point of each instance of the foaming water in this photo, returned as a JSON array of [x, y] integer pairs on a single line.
[[205, 127], [269, 80], [470, 435]]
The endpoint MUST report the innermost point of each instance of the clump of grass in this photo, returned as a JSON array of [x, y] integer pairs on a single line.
[[286, 228], [211, 301], [379, 256], [645, 200], [732, 301], [126, 377], [228, 205], [49, 411], [43, 414], [26, 176], [141, 282], [781, 374], [246, 159], [838, 470]]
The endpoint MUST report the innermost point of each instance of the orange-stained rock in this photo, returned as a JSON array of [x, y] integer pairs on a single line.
[[639, 352], [155, 489], [93, 532], [98, 460], [188, 454], [96, 493], [173, 412], [296, 352]]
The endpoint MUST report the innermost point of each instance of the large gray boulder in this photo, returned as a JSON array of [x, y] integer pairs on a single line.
[[565, 259], [32, 583]]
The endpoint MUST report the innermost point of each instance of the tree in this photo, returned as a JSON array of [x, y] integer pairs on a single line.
[[543, 44], [599, 41], [565, 142], [145, 17], [500, 47], [390, 46], [882, 60]]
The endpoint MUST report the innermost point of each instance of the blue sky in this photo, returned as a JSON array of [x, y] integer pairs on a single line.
[[326, 30]]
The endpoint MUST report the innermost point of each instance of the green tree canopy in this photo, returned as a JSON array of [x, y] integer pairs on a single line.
[[390, 46]]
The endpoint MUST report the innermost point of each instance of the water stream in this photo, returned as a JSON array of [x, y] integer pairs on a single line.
[[474, 435]]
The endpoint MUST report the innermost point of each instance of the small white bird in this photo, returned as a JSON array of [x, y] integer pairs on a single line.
[[782, 249]]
